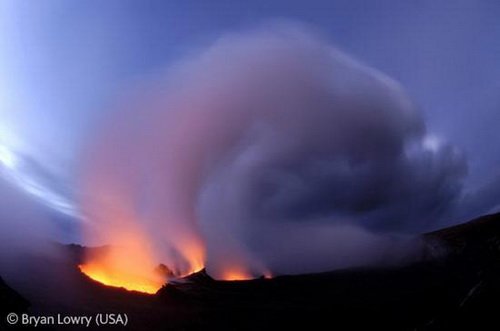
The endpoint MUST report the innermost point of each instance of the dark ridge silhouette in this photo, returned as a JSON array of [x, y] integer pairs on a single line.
[[10, 302], [455, 286]]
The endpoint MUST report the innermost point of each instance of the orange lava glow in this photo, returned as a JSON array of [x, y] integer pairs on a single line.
[[236, 274], [267, 275], [133, 263], [133, 266], [130, 265], [193, 252], [130, 282]]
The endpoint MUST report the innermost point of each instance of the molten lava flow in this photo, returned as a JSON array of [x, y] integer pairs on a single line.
[[236, 274], [131, 282], [131, 262], [130, 265], [193, 251]]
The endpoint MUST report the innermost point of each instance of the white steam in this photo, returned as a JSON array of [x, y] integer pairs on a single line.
[[275, 152]]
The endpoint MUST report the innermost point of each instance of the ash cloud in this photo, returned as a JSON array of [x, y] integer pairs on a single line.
[[275, 152]]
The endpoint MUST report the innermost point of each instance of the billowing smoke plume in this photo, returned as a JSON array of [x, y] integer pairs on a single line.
[[270, 152]]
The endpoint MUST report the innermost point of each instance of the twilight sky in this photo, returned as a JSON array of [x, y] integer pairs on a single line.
[[64, 63]]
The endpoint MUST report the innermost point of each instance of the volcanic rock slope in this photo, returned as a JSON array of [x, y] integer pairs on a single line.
[[455, 286]]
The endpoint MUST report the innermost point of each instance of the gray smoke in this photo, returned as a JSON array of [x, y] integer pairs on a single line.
[[277, 153]]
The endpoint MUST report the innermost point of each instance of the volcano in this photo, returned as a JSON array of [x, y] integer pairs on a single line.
[[455, 284]]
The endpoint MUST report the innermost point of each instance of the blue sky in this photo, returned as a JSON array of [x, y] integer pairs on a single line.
[[62, 63]]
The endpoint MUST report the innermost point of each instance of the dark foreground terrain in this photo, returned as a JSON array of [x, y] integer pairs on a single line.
[[456, 286]]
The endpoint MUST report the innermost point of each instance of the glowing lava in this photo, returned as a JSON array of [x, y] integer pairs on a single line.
[[131, 264], [131, 282], [192, 251], [134, 267], [236, 274]]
